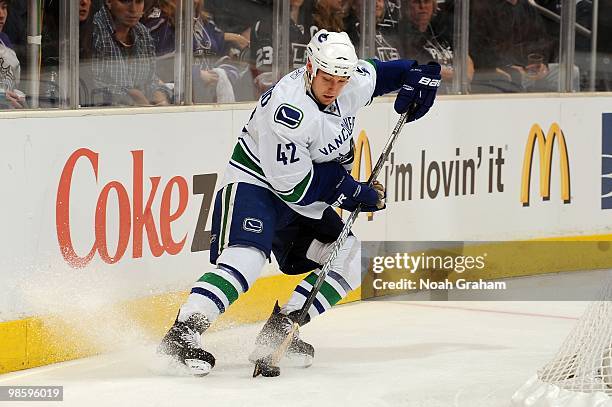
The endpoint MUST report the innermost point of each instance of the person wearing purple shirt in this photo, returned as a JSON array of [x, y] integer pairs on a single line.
[[10, 70], [213, 76]]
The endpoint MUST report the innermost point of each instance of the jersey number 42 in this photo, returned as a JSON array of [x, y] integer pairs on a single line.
[[282, 157]]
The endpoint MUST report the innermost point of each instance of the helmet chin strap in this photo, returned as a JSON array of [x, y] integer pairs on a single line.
[[308, 77]]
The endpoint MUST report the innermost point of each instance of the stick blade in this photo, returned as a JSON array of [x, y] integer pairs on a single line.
[[265, 368], [257, 369]]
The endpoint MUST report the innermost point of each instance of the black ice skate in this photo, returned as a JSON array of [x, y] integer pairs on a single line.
[[272, 334], [183, 343]]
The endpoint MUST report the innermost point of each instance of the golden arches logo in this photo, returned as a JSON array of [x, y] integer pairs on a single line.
[[362, 152], [363, 144], [545, 146]]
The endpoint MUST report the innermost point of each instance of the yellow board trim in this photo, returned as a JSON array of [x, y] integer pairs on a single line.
[[38, 341], [43, 340]]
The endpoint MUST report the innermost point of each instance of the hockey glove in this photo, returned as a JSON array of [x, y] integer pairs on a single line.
[[350, 193], [420, 87], [382, 196]]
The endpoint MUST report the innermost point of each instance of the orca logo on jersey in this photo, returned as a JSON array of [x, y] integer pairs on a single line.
[[298, 72], [289, 116], [252, 225], [323, 37], [362, 71]]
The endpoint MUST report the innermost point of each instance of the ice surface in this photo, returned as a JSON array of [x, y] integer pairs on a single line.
[[378, 353]]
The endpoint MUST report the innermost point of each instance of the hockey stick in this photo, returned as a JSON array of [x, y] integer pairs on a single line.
[[274, 359]]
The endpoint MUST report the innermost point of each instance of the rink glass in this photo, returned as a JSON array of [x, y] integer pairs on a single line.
[[56, 65]]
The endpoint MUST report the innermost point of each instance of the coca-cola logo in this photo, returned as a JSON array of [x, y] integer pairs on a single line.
[[135, 215]]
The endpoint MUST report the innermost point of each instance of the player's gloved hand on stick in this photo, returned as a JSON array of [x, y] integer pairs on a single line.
[[420, 87], [380, 204], [350, 193]]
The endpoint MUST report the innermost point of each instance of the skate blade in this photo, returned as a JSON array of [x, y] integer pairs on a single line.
[[290, 359], [299, 360], [198, 367]]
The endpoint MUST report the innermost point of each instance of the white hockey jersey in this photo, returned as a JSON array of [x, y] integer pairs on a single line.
[[288, 131]]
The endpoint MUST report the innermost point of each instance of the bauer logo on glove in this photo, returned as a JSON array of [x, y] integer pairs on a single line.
[[421, 84], [434, 83]]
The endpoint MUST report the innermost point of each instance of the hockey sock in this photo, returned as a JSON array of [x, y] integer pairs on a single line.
[[237, 268], [343, 277]]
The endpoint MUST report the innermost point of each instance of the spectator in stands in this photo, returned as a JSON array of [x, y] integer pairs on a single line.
[[604, 47], [262, 51], [503, 33], [583, 45], [238, 16], [3, 13], [86, 26], [214, 73], [17, 26], [218, 74], [124, 56], [327, 14], [584, 17], [10, 71], [85, 30], [387, 28], [422, 39], [160, 20]]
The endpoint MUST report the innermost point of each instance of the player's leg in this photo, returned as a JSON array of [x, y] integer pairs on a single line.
[[243, 225], [343, 277], [301, 247]]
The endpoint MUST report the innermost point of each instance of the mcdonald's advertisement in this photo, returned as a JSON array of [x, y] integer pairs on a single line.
[[90, 193], [490, 169]]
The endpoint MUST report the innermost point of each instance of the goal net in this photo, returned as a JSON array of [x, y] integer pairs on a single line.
[[580, 374]]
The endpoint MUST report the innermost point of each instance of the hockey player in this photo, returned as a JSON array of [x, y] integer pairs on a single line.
[[288, 170]]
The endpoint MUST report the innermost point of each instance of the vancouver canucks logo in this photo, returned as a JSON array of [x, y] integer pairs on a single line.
[[253, 225], [323, 37], [289, 116]]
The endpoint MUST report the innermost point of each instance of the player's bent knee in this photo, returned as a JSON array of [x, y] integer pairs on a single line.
[[242, 262], [352, 262], [348, 262]]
